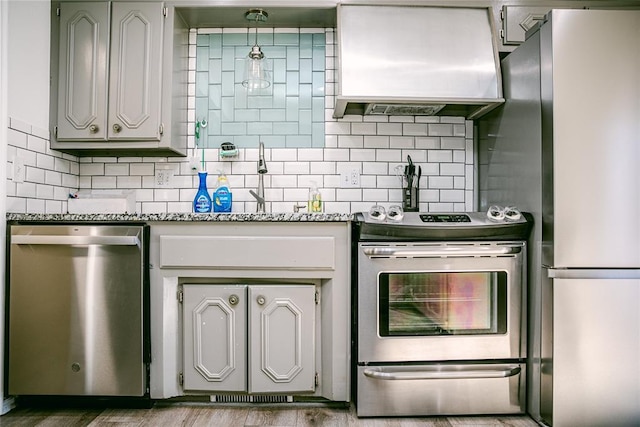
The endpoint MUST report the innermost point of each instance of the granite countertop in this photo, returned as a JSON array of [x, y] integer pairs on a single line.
[[187, 217]]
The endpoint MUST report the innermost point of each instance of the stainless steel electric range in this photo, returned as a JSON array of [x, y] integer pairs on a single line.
[[441, 320]]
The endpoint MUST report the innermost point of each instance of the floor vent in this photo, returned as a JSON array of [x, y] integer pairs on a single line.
[[243, 398]]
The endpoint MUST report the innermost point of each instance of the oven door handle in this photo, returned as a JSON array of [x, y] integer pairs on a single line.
[[441, 251], [454, 373]]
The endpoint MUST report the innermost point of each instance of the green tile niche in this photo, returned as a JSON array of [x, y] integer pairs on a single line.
[[289, 113]]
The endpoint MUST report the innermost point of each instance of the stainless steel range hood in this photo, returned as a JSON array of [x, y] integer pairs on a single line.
[[416, 60]]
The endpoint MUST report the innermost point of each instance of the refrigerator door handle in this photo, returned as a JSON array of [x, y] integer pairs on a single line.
[[593, 273]]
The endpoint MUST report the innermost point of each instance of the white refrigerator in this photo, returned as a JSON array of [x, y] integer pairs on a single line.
[[565, 146]]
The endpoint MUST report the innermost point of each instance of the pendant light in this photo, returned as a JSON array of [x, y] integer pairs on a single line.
[[256, 72]]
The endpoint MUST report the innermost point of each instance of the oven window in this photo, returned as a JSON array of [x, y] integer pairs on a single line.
[[442, 303]]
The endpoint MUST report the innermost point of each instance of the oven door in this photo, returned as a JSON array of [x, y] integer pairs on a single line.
[[440, 301]]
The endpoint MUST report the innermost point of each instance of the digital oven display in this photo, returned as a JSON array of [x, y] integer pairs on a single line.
[[445, 218]]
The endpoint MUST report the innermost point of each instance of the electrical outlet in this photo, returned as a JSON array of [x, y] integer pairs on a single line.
[[354, 177], [163, 177], [350, 178]]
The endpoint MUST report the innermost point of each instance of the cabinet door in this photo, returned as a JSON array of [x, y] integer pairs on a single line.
[[214, 329], [281, 339], [84, 48], [135, 72]]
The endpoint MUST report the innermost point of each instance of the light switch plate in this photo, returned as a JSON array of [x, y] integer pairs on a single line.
[[19, 169], [350, 178]]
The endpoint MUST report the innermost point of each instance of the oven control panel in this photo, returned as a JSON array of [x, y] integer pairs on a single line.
[[445, 218], [416, 226]]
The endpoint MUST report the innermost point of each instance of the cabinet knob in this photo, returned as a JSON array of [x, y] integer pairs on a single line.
[[233, 299], [261, 300], [94, 128], [117, 128]]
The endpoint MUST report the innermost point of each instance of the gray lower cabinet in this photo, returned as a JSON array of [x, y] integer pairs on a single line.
[[249, 338]]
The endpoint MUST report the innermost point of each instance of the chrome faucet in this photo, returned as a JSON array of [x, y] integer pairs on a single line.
[[262, 169]]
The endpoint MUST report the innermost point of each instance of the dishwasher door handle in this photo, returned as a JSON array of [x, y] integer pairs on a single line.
[[417, 374], [75, 240]]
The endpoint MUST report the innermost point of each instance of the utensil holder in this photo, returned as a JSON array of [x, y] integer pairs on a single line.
[[410, 199]]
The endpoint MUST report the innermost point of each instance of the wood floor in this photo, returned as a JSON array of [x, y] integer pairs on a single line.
[[237, 415]]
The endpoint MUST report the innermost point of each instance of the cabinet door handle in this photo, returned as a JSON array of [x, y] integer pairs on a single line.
[[94, 128], [117, 128], [233, 299], [261, 300]]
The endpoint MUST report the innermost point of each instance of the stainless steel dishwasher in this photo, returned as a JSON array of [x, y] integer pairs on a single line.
[[78, 310]]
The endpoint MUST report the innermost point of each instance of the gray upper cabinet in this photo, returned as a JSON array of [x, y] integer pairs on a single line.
[[117, 65]]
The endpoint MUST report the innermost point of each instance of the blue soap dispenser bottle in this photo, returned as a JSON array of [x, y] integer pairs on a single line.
[[222, 197], [202, 201]]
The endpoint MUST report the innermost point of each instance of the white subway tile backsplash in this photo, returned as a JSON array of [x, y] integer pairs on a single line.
[[452, 196], [377, 167], [368, 181], [429, 195], [459, 156], [415, 129], [36, 206], [440, 129], [375, 195], [36, 144], [440, 182], [167, 195], [103, 182], [401, 142], [87, 169], [440, 156], [61, 165], [338, 128], [20, 126], [35, 175], [116, 169], [296, 168], [381, 141], [45, 162], [452, 169], [363, 128], [363, 155], [44, 192], [389, 128], [350, 141], [348, 194], [54, 206], [452, 143], [142, 169], [310, 154], [52, 178]]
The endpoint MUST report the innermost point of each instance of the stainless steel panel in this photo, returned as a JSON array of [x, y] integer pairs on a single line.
[[596, 368], [76, 311], [595, 138], [510, 173], [440, 389], [374, 348], [416, 55]]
